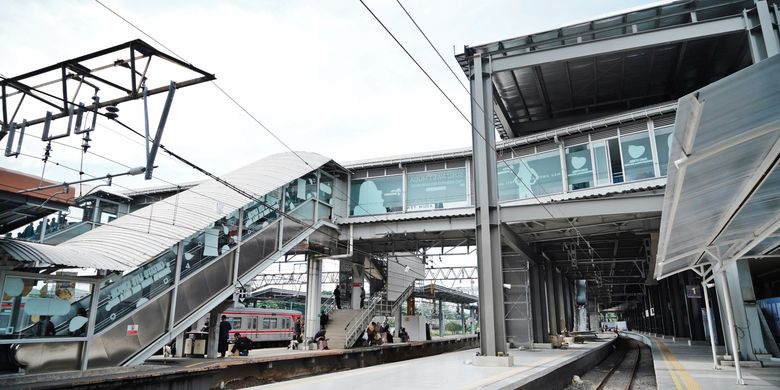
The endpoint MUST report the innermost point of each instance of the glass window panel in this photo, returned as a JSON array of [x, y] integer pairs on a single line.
[[538, 175], [48, 307], [326, 188], [579, 168], [663, 144], [614, 160], [235, 323], [259, 214], [299, 190], [436, 190], [601, 156], [377, 195], [125, 293], [637, 156], [206, 245]]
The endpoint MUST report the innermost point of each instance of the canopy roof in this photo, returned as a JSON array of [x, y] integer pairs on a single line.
[[722, 201], [133, 239]]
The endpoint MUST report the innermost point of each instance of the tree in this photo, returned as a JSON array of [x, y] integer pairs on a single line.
[[453, 327]]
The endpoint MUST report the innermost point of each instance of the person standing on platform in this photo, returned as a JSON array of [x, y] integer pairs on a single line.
[[337, 294], [299, 330], [224, 335]]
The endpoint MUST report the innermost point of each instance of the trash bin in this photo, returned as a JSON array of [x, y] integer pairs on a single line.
[[196, 343]]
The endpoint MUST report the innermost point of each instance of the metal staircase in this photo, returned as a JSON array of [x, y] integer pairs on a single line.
[[378, 305], [181, 285]]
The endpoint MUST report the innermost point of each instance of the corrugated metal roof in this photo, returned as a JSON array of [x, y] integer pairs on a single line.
[[541, 137], [133, 239], [723, 192], [45, 255]]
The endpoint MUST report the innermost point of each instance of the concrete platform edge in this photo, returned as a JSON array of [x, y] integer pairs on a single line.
[[560, 376]]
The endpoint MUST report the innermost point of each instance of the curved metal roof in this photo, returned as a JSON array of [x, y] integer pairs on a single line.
[[133, 239]]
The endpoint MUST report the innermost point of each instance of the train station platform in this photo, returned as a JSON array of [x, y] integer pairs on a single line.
[[266, 365], [682, 366], [540, 368]]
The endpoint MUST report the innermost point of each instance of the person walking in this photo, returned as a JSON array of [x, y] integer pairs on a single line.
[[337, 294], [224, 335]]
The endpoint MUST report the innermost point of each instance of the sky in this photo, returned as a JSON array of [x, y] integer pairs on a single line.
[[322, 75]]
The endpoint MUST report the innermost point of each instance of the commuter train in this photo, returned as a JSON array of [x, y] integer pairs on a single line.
[[265, 327]]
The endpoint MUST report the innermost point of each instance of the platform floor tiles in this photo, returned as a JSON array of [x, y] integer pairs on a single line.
[[680, 366], [446, 371]]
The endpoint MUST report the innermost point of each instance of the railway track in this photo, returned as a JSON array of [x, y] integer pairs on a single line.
[[628, 367]]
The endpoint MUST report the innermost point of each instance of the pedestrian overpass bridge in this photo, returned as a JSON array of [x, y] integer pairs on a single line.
[[164, 266]]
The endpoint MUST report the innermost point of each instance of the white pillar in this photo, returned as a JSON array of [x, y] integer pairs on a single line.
[[732, 327], [313, 295], [710, 325], [180, 345], [357, 285]]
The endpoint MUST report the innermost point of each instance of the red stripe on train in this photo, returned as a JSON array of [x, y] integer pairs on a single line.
[[261, 331]]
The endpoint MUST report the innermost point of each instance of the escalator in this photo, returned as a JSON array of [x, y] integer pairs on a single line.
[[142, 310]]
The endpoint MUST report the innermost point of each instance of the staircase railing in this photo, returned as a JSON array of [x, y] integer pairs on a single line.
[[357, 325], [402, 298], [329, 305]]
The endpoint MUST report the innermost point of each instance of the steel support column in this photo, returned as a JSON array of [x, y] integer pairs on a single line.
[[313, 295], [732, 330], [745, 310], [211, 350], [441, 318], [768, 32], [552, 311], [358, 274], [558, 289], [491, 299], [710, 325]]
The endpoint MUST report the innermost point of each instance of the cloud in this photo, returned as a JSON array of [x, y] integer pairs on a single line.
[[323, 76]]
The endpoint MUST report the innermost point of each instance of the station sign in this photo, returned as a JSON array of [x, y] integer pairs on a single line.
[[693, 291]]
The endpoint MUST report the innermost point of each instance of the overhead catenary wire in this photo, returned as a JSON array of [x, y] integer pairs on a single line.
[[201, 170], [233, 100], [473, 129]]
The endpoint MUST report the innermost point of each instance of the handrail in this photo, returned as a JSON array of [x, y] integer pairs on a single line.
[[356, 324], [329, 305], [401, 298], [206, 264]]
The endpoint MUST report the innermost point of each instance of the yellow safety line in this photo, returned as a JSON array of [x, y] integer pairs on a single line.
[[676, 368]]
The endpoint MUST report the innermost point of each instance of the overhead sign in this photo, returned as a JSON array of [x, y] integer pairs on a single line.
[[693, 291]]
